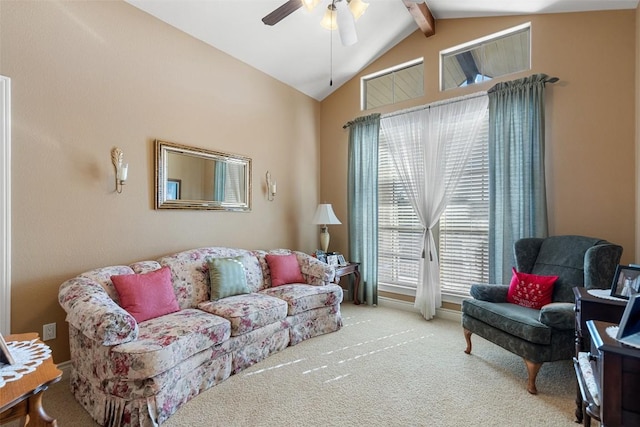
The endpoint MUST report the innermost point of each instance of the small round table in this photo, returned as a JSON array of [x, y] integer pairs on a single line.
[[22, 398]]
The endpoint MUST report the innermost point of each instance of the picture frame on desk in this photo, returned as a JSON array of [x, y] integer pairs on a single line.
[[332, 260], [626, 281], [321, 255], [5, 355], [341, 260]]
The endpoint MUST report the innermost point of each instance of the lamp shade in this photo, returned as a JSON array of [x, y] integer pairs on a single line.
[[324, 215]]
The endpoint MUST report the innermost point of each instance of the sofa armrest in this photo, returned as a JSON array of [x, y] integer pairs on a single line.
[[92, 311], [315, 271], [490, 293], [558, 315]]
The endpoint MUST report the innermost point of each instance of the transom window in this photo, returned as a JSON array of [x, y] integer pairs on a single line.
[[480, 60], [400, 83]]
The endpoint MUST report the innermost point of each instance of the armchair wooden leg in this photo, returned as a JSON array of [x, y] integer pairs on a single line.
[[533, 369], [467, 337]]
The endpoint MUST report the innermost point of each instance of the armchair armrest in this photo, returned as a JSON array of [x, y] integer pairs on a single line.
[[92, 311], [489, 292], [315, 271], [558, 315]]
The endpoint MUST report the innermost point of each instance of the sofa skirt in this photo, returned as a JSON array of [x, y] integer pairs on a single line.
[[314, 322], [147, 402]]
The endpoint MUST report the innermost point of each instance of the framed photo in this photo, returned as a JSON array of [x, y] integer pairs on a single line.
[[626, 282], [332, 260], [173, 189], [321, 255], [5, 356], [341, 260]]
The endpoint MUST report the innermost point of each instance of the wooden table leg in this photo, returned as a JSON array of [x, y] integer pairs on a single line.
[[356, 285], [37, 416]]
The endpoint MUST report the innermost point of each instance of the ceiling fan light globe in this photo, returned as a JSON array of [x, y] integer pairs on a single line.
[[357, 7], [310, 4], [346, 25], [329, 19]]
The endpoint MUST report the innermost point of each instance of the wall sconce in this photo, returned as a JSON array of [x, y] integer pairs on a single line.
[[271, 188], [121, 168]]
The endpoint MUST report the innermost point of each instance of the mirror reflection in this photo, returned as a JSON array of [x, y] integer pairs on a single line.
[[195, 178]]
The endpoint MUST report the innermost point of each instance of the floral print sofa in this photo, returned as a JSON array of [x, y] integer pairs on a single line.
[[128, 373]]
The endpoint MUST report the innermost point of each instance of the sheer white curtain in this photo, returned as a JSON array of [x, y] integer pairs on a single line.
[[430, 147]]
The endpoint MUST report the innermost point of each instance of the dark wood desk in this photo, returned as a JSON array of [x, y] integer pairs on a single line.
[[616, 370], [589, 307], [23, 398], [345, 270]]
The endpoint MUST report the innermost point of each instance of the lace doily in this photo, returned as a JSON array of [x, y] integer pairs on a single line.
[[28, 355], [604, 293], [612, 331]]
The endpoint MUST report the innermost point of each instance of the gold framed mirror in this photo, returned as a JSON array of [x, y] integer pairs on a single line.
[[195, 178]]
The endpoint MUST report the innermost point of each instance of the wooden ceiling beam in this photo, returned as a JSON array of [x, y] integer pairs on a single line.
[[423, 17]]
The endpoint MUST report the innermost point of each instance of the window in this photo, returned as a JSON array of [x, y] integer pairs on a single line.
[[399, 230], [463, 229], [400, 83], [496, 55], [464, 226]]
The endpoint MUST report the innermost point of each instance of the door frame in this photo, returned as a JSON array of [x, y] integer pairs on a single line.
[[5, 205]]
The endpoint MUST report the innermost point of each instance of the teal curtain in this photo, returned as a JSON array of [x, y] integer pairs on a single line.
[[518, 202], [219, 181], [362, 196]]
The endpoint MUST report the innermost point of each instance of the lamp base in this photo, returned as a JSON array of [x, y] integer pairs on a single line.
[[324, 238]]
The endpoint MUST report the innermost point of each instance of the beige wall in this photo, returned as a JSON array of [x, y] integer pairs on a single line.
[[590, 116], [88, 76]]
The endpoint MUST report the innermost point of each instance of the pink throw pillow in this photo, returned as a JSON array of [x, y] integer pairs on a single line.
[[531, 290], [284, 269], [148, 295]]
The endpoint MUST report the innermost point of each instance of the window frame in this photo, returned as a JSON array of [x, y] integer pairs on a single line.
[[468, 46], [386, 71]]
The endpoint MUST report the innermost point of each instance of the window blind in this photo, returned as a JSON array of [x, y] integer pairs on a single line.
[[399, 229], [464, 225]]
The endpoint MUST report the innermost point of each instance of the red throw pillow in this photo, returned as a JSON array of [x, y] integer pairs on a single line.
[[531, 290], [146, 295], [284, 269]]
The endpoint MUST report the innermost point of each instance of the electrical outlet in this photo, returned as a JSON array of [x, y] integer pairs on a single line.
[[49, 332]]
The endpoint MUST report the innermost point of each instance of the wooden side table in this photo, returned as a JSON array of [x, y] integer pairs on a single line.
[[23, 398], [345, 270]]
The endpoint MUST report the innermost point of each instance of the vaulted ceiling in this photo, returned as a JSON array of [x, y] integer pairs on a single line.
[[304, 55]]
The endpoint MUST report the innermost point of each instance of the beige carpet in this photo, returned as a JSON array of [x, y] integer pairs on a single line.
[[384, 368]]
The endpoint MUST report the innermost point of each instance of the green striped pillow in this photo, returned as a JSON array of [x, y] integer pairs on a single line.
[[227, 277]]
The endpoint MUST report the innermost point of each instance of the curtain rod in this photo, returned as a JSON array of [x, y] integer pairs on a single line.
[[435, 104], [438, 103]]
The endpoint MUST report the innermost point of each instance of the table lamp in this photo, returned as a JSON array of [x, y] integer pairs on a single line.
[[324, 216]]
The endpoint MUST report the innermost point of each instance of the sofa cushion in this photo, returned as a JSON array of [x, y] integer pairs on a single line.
[[301, 298], [146, 295], [164, 342], [284, 269], [227, 277], [530, 290], [247, 312], [511, 318]]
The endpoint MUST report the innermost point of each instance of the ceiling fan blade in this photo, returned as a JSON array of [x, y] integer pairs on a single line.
[[282, 12], [346, 24]]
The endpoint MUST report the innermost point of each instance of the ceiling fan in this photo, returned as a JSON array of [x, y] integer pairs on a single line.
[[340, 14]]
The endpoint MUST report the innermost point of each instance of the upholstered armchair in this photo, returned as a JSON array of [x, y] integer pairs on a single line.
[[545, 334]]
